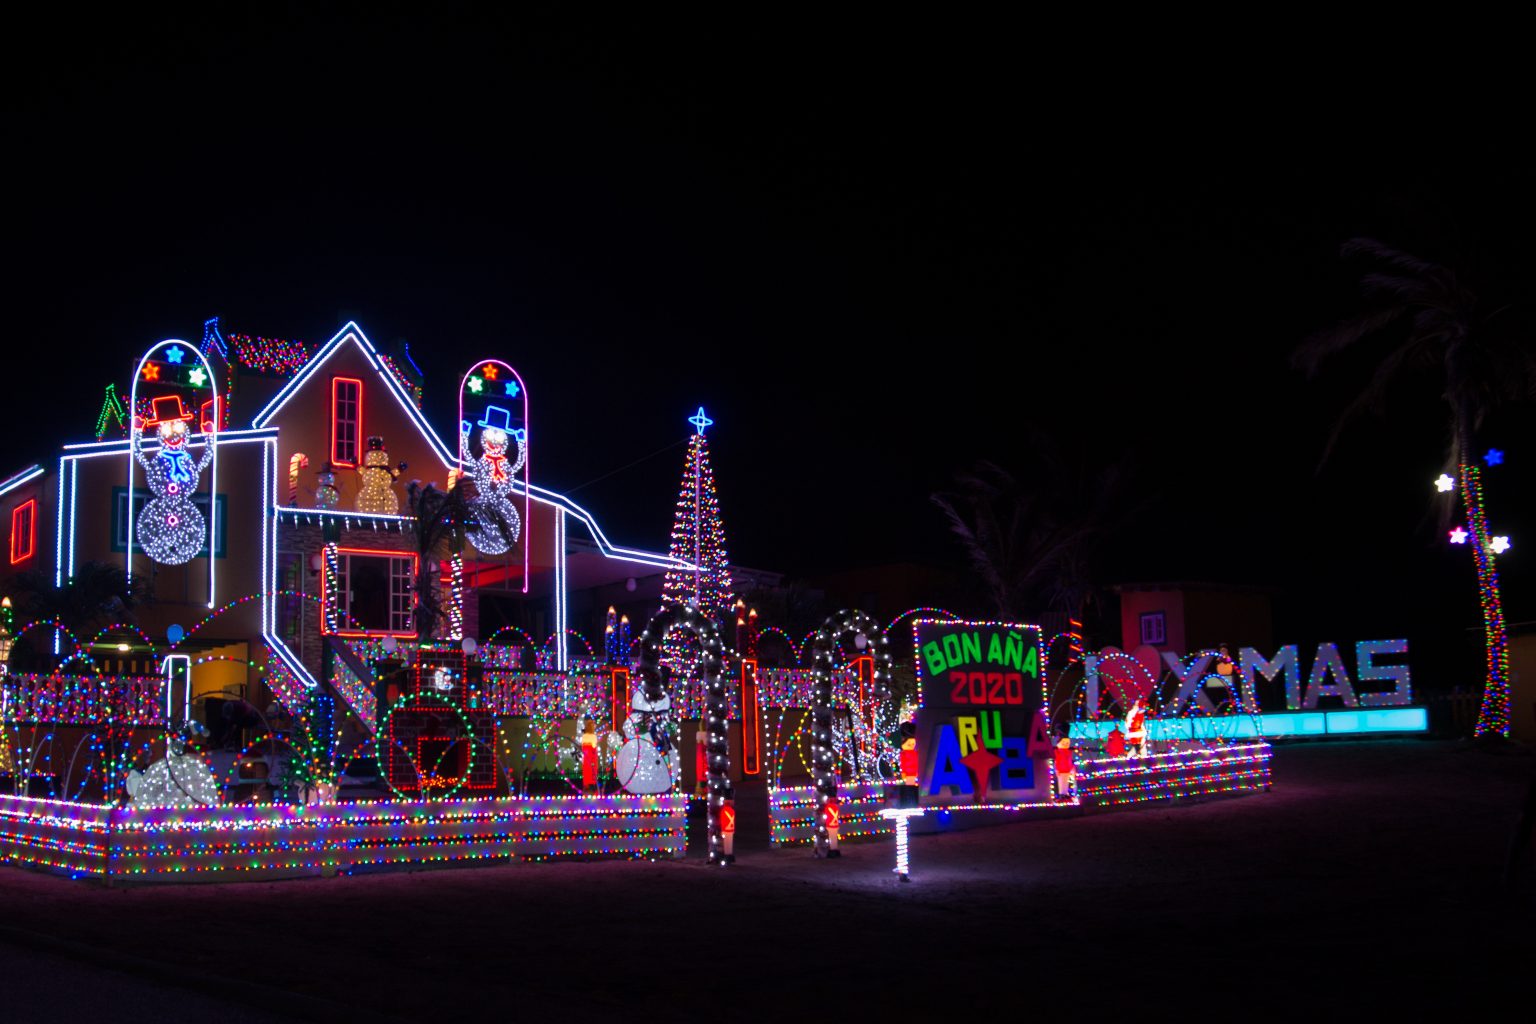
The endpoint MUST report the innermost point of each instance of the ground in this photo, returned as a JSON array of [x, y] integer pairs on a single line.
[[1368, 879]]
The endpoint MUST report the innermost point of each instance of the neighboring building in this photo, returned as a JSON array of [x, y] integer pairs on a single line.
[[1185, 616], [254, 610]]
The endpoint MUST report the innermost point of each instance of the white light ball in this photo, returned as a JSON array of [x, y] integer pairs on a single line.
[[860, 641], [469, 645], [391, 645], [630, 584]]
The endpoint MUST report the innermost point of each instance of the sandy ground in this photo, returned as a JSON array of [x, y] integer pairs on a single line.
[[1368, 879]]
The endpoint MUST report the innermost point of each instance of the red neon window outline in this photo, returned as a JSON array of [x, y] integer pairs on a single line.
[[346, 421], [751, 720], [325, 589], [24, 531]]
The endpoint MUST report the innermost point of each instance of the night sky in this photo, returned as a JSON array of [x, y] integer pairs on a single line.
[[873, 261]]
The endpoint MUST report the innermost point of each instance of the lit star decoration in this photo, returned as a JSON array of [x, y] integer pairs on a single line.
[[512, 389], [197, 377], [488, 371], [1458, 536], [1494, 457], [174, 353], [1444, 482], [1499, 545], [151, 371], [475, 384], [981, 761], [700, 420]]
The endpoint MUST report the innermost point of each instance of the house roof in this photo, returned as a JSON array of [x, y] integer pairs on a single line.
[[352, 334]]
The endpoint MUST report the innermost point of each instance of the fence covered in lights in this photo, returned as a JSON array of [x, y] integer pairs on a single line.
[[74, 743]]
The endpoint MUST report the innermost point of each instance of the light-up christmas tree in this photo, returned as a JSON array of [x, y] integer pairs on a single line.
[[698, 536]]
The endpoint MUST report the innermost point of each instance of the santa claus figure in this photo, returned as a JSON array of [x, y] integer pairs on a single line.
[[1136, 730]]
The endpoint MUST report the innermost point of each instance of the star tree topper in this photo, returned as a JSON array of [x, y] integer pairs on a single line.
[[700, 420]]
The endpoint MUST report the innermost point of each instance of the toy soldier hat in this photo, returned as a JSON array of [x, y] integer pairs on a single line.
[[166, 407], [497, 417]]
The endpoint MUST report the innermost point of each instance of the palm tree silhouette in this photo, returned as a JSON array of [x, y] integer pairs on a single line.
[[1033, 547], [1438, 323]]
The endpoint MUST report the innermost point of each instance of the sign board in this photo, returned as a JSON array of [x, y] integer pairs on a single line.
[[982, 735]]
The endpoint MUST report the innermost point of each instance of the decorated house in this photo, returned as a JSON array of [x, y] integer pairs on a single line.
[[305, 500]]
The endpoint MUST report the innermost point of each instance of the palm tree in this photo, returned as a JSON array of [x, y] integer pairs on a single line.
[[95, 596], [1439, 323], [1033, 548], [440, 522]]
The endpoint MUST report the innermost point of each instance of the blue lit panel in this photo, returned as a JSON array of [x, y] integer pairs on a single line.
[[1273, 725]]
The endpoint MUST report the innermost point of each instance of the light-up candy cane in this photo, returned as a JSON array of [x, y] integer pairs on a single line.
[[298, 462]]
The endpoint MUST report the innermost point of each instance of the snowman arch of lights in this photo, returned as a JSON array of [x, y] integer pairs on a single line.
[[497, 524], [171, 529]]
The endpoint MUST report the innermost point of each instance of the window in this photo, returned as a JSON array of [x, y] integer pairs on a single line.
[[346, 420], [375, 592], [24, 531], [141, 497], [1154, 628]]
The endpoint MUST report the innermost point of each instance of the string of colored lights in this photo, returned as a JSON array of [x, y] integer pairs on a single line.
[[279, 356]]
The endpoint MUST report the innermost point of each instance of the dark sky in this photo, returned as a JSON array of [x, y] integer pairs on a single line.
[[874, 260]]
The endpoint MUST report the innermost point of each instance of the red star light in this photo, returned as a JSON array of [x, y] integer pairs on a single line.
[[981, 761]]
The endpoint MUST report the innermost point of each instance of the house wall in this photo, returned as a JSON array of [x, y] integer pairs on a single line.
[[1135, 603], [178, 594]]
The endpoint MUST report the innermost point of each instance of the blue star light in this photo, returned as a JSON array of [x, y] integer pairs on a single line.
[[512, 388], [699, 420], [1494, 457], [174, 353]]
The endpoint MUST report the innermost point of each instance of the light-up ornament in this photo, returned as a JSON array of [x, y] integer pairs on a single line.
[[170, 529], [1444, 482], [1494, 457], [700, 420], [1458, 536], [197, 377], [1499, 544], [497, 523], [174, 354], [512, 389], [180, 779], [151, 371], [489, 371], [476, 384]]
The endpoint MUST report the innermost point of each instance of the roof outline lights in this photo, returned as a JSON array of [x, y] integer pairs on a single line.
[[17, 479]]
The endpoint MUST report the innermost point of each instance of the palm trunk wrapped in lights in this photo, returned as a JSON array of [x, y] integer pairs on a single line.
[[1493, 715]]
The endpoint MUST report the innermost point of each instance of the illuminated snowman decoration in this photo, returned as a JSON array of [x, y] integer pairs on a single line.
[[170, 528], [326, 493], [376, 487], [649, 761], [493, 475]]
